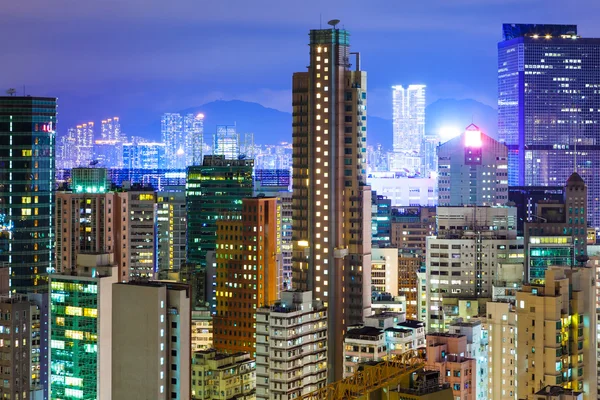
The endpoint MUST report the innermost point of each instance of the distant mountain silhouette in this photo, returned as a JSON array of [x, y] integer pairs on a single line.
[[272, 126]]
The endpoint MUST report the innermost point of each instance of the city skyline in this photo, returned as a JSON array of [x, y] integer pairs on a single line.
[[127, 81]]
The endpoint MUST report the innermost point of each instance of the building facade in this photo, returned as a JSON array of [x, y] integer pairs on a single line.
[[472, 170], [27, 134], [408, 108], [217, 376], [171, 229], [502, 350], [549, 139], [331, 201], [291, 347], [248, 262], [557, 333]]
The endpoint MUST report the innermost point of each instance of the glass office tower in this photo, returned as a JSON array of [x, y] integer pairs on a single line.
[[27, 137], [549, 107]]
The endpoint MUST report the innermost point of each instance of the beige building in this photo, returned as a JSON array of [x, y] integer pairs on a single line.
[[446, 353], [202, 330], [331, 201], [502, 351], [151, 341], [384, 271], [217, 376], [556, 339]]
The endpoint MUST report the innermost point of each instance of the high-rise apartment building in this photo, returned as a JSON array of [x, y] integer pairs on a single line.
[[381, 215], [384, 271], [472, 170], [548, 103], [171, 228], [502, 350], [408, 109], [214, 189], [81, 326], [476, 248], [409, 264], [84, 135], [66, 150], [247, 266], [144, 155], [27, 166], [111, 129], [556, 339], [556, 232], [292, 362], [174, 140], [155, 363], [331, 201], [202, 329]]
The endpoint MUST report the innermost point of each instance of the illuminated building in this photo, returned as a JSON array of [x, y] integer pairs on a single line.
[[422, 295], [543, 136], [409, 264], [213, 189], [89, 180], [408, 107], [111, 129], [380, 336], [556, 233], [381, 212], [331, 200], [84, 139], [477, 349], [556, 337], [472, 170], [248, 258], [217, 376], [384, 271], [193, 127], [410, 227], [66, 150], [155, 362], [202, 329], [156, 178], [136, 254], [108, 153], [502, 350], [144, 155], [171, 227], [27, 166], [227, 142], [293, 325], [446, 353], [174, 140], [81, 328], [475, 248]]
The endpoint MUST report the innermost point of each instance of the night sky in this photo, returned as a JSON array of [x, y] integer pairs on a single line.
[[137, 58]]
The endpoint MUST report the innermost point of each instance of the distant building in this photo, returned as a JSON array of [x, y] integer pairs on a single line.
[[217, 376], [403, 191], [84, 139], [408, 107], [144, 155], [174, 140], [472, 170], [278, 376]]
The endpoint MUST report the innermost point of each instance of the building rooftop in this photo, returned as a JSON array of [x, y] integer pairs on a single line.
[[365, 333], [412, 323], [556, 391]]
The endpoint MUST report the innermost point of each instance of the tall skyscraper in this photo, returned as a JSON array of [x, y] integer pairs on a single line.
[[227, 142], [27, 164], [409, 127], [472, 170], [331, 200], [174, 140], [66, 150], [171, 228], [193, 127], [548, 107], [111, 129]]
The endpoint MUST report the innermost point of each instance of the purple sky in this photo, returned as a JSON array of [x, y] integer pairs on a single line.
[[122, 57]]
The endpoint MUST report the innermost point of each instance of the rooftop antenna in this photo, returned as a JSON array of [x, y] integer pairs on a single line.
[[320, 20], [11, 92], [333, 23]]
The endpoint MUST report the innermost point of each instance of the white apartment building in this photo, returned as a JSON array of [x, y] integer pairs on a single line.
[[384, 270], [291, 347], [502, 351]]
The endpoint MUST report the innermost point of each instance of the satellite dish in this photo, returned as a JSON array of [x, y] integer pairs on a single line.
[[333, 22]]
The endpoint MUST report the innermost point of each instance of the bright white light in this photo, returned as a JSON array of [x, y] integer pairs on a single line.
[[449, 132]]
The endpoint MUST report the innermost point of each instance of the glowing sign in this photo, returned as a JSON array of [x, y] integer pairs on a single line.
[[472, 138]]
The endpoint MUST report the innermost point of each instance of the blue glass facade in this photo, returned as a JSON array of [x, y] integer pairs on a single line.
[[549, 107]]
